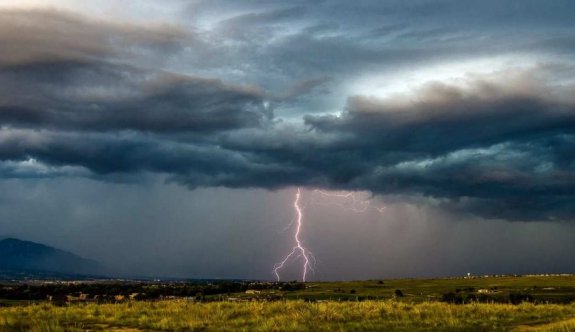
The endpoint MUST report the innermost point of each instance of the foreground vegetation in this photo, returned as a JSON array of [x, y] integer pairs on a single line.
[[558, 289], [288, 316], [503, 303]]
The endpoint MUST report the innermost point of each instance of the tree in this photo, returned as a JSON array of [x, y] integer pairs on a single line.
[[517, 298], [452, 298]]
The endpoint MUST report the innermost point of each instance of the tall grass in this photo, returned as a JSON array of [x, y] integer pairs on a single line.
[[561, 326], [286, 316]]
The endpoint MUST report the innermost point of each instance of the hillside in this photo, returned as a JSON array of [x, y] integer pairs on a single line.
[[17, 255]]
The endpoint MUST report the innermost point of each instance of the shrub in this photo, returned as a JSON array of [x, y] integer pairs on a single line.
[[518, 298], [451, 297]]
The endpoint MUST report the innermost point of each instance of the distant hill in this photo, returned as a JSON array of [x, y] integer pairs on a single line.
[[25, 256]]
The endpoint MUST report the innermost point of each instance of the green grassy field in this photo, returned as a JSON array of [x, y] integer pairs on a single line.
[[553, 289], [289, 316], [331, 306]]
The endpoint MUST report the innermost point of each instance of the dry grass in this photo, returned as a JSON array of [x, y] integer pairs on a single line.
[[560, 326], [287, 316]]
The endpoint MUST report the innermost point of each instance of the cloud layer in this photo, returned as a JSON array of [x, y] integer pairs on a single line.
[[263, 95]]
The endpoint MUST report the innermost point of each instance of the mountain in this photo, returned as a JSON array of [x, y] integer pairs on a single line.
[[17, 255]]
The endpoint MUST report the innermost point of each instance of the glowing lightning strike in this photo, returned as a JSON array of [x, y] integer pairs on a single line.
[[351, 203], [298, 247], [357, 205]]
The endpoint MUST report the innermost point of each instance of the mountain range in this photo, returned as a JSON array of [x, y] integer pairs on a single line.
[[18, 257]]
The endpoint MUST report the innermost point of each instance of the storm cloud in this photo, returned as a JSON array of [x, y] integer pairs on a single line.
[[260, 95]]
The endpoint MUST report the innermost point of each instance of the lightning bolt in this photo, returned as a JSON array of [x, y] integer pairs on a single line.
[[351, 203], [298, 248]]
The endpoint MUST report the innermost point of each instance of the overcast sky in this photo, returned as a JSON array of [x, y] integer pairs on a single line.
[[168, 138]]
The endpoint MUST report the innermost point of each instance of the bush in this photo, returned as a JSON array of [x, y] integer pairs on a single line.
[[471, 298], [518, 298], [398, 293], [451, 297]]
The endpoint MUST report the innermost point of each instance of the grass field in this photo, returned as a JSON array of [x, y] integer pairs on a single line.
[[331, 306], [289, 316], [553, 289]]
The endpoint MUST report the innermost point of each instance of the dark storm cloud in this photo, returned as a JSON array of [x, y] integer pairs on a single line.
[[129, 152], [101, 96], [62, 71], [319, 39], [447, 117], [348, 31], [488, 148], [491, 148], [37, 36], [84, 96]]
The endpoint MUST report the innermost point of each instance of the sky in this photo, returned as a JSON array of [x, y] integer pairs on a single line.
[[168, 138]]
